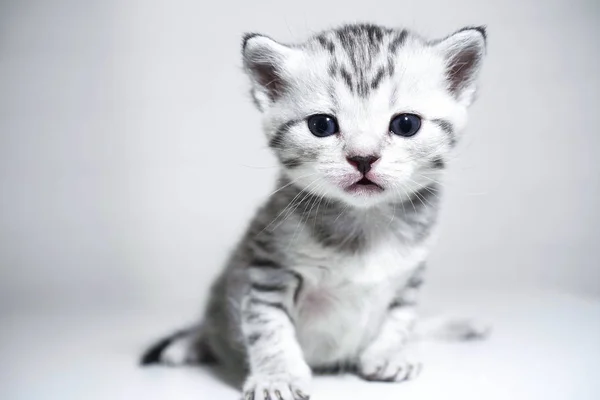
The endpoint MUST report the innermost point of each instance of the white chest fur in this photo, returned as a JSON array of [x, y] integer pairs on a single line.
[[344, 298]]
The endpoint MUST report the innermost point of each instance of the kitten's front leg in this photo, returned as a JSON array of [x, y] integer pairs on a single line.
[[386, 359], [277, 367]]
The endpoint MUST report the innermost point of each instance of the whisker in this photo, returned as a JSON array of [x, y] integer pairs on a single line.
[[294, 207], [290, 183], [284, 209], [301, 223]]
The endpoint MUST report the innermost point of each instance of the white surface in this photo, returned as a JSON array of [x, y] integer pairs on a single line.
[[544, 346]]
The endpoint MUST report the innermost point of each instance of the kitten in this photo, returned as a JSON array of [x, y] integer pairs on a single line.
[[362, 119]]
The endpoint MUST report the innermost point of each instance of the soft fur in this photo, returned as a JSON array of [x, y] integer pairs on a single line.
[[325, 277]]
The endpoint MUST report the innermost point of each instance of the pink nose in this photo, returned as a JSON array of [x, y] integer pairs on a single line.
[[362, 163]]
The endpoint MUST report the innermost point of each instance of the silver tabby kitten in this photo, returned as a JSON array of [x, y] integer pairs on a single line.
[[362, 119]]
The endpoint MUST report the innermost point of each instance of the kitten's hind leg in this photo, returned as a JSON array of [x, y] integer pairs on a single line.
[[180, 348]]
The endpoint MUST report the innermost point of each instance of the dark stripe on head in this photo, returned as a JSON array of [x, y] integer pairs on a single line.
[[351, 34], [277, 139], [362, 85], [347, 42], [375, 34], [398, 41], [447, 127], [363, 47], [391, 67], [294, 156], [347, 78], [334, 100], [394, 95], [327, 44], [291, 162], [332, 69], [299, 157], [377, 80], [438, 163]]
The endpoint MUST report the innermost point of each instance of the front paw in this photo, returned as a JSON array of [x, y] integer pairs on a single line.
[[276, 387], [394, 367]]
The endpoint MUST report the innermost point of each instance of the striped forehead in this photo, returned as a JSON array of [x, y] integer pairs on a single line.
[[360, 56]]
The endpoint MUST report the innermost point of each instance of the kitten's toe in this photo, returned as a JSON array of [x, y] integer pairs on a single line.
[[276, 387]]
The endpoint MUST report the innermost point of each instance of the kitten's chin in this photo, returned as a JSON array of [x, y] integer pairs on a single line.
[[363, 194], [364, 187], [363, 201]]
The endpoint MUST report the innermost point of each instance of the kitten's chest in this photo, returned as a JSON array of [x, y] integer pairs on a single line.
[[344, 299], [383, 265]]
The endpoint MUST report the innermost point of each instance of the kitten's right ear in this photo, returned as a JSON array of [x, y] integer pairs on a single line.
[[264, 62], [463, 52]]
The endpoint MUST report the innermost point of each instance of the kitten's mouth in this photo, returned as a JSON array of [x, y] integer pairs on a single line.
[[364, 186]]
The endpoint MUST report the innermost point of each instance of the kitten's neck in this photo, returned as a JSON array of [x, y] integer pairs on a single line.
[[337, 223]]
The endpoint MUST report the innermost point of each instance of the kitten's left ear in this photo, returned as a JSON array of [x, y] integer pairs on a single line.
[[463, 52], [265, 62]]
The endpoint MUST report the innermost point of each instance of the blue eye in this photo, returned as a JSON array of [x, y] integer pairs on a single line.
[[405, 125], [322, 125]]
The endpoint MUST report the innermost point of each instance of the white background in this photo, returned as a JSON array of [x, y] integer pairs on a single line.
[[131, 157]]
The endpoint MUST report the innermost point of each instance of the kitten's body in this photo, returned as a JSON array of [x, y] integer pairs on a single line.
[[335, 313], [328, 271]]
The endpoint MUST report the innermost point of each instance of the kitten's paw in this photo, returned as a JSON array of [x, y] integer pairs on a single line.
[[389, 368], [276, 387]]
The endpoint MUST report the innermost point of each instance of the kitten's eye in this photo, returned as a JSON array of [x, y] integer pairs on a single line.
[[322, 125], [405, 125]]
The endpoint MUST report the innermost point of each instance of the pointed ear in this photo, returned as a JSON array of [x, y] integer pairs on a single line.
[[264, 62], [463, 52]]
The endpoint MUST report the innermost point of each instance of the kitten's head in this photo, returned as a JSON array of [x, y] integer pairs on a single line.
[[363, 113]]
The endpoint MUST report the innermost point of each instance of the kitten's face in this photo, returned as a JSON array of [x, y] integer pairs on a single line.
[[364, 114]]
